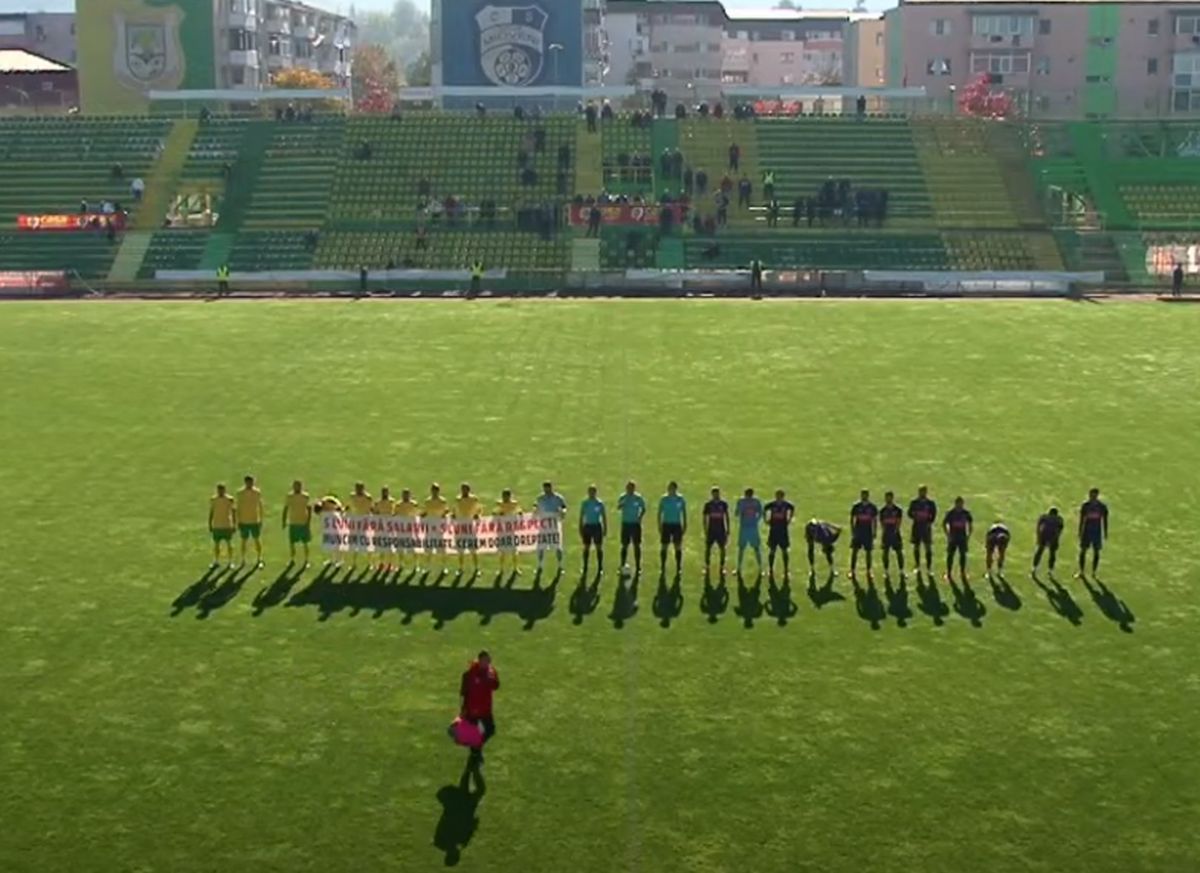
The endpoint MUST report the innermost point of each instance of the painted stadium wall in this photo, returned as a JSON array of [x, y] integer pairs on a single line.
[[128, 47]]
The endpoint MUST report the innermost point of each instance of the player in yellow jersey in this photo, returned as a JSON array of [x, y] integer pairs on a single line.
[[408, 509], [222, 521], [385, 506], [507, 509], [250, 518], [359, 503], [434, 510], [297, 518], [467, 510]]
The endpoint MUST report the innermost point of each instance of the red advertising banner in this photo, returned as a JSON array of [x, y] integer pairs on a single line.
[[624, 213], [70, 221], [13, 282]]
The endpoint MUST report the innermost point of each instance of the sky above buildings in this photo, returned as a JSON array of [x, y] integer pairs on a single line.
[[344, 5]]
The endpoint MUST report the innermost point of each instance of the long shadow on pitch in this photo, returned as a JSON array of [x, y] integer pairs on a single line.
[[668, 601], [459, 819], [929, 600], [585, 598], [780, 605], [1060, 600], [625, 602], [1112, 607], [278, 591], [445, 598], [714, 601], [749, 608], [867, 603], [825, 594], [224, 593], [1004, 594], [195, 592], [897, 601], [967, 604]]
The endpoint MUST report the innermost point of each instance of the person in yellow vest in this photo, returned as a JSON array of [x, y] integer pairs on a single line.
[[476, 277], [385, 506], [508, 509], [297, 518], [407, 509], [467, 510], [223, 280], [434, 510], [222, 521], [359, 503], [250, 519]]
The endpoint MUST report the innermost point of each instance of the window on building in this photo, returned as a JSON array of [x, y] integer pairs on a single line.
[[1151, 66], [1043, 66], [938, 67], [788, 35], [1000, 63], [1044, 26], [237, 76], [41, 33], [1187, 24], [937, 27], [1097, 80], [714, 47], [742, 34], [1043, 103], [1002, 25], [242, 40], [787, 57], [1152, 27], [879, 38]]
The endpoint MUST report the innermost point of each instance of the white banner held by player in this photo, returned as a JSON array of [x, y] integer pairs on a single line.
[[488, 535]]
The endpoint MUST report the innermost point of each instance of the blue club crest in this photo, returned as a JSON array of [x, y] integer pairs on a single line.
[[511, 44]]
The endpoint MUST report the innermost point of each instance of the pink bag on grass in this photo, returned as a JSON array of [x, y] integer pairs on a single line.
[[465, 734]]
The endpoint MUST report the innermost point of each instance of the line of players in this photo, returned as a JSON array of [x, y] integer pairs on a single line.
[[245, 514]]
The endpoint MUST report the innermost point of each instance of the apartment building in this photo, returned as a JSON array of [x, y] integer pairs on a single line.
[[1070, 59], [49, 34], [258, 38], [675, 45]]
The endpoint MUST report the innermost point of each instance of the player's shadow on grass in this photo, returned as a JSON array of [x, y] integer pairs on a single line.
[[967, 604], [195, 592], [668, 601], [445, 598], [459, 819], [1060, 600], [585, 598], [625, 603], [278, 591], [224, 593], [714, 601], [749, 608], [1004, 594], [929, 600], [867, 603], [824, 594], [1111, 607], [897, 601], [780, 605]]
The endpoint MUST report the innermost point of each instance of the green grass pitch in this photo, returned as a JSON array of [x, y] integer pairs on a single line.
[[308, 734]]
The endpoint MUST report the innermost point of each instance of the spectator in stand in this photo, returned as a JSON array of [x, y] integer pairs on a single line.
[[680, 111], [117, 172], [797, 211], [480, 109], [702, 110], [701, 182], [594, 219], [769, 184], [773, 213], [83, 207], [289, 113], [137, 188], [744, 191], [590, 113], [726, 185], [689, 181], [450, 207], [518, 113], [860, 106], [1177, 280], [718, 110], [606, 111], [422, 238], [435, 210], [735, 156], [722, 208]]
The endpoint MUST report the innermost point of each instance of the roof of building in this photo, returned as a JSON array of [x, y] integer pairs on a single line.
[[22, 61], [1032, 3]]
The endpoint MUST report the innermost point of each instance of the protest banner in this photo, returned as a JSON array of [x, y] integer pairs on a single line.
[[487, 535]]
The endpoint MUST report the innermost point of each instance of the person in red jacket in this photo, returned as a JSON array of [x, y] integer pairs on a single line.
[[479, 682]]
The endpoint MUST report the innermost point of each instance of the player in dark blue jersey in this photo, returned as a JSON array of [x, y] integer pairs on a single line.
[[891, 517], [1093, 529], [863, 518], [823, 534], [996, 542], [779, 515], [957, 525], [1049, 529], [716, 529], [923, 513]]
